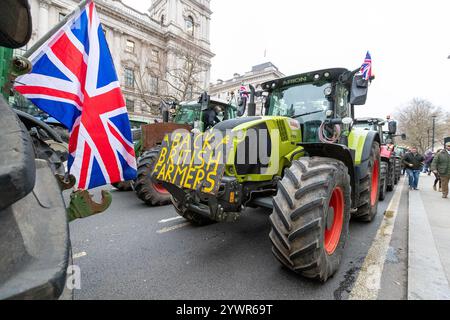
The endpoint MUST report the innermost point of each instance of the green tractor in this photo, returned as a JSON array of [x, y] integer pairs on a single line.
[[390, 168], [198, 115], [304, 160]]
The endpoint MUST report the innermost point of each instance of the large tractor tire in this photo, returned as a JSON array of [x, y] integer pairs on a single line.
[[123, 186], [398, 170], [147, 189], [311, 217], [383, 182], [369, 187], [391, 176], [191, 216]]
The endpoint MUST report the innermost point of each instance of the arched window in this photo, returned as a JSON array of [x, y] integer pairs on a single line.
[[190, 25]]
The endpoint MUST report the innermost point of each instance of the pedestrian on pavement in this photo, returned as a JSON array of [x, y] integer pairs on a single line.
[[441, 166], [403, 164], [436, 175], [428, 159], [414, 163]]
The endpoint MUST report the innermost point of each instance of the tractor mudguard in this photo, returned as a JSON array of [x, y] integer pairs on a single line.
[[34, 242], [361, 168], [17, 167], [335, 151]]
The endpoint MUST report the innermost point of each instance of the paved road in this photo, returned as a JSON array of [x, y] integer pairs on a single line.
[[133, 252]]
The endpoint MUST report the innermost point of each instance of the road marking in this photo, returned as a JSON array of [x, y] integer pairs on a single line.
[[176, 227], [79, 255], [369, 279], [170, 220]]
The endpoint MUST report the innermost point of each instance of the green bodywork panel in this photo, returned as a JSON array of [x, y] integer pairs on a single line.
[[5, 61], [285, 134], [356, 141]]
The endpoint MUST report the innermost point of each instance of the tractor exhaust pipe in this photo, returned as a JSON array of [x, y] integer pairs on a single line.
[[252, 105], [165, 116]]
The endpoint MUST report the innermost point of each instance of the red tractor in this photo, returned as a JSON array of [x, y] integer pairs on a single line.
[[390, 168]]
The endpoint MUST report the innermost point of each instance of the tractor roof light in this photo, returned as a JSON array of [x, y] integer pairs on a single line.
[[327, 75], [316, 77]]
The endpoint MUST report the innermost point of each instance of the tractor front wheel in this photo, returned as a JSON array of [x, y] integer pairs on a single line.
[[311, 217], [147, 189]]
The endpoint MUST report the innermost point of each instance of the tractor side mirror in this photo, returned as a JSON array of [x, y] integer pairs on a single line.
[[360, 88], [15, 23], [392, 127], [404, 137], [242, 106], [204, 100]]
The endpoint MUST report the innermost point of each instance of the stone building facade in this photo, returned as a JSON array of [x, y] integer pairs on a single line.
[[148, 49], [259, 74]]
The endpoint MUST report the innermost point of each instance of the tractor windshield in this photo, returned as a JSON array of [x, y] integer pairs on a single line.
[[188, 114], [298, 101]]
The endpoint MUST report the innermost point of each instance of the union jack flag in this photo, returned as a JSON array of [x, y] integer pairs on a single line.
[[366, 68], [243, 91], [74, 80]]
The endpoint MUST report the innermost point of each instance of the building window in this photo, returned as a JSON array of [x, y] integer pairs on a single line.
[[129, 77], [61, 16], [130, 46], [190, 25], [155, 55], [130, 105], [154, 83], [163, 20]]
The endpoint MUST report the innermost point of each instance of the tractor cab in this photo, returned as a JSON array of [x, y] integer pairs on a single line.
[[204, 115], [374, 124], [314, 98]]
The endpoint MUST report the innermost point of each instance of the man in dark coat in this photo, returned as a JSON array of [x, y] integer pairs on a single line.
[[441, 166], [413, 162]]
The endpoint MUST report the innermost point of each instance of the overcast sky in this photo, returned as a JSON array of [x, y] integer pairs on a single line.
[[409, 42]]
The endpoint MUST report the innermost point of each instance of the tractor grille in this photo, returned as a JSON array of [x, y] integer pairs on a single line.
[[282, 129]]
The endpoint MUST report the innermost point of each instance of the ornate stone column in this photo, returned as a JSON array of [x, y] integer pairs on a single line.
[[43, 17]]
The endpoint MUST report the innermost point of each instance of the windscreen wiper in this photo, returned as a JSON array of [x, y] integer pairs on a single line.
[[306, 114]]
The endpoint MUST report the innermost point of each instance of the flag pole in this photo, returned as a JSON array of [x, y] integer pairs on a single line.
[[52, 31]]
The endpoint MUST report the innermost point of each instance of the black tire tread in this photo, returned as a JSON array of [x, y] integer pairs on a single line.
[[144, 182], [297, 231]]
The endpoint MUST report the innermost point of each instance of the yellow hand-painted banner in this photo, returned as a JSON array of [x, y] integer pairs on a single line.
[[195, 162]]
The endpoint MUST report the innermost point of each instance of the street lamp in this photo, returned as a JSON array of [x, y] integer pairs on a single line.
[[434, 132]]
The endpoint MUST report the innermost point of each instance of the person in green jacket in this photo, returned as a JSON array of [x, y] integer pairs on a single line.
[[441, 166]]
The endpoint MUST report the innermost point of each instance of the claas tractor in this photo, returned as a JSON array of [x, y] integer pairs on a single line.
[[303, 160], [194, 115], [390, 167]]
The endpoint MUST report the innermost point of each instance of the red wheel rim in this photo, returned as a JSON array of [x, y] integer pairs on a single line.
[[333, 234], [374, 189], [159, 188]]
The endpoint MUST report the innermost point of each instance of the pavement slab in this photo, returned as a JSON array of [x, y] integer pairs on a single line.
[[429, 241]]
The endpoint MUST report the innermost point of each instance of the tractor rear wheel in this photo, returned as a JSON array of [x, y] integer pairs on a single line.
[[369, 187], [311, 217], [398, 170], [147, 189], [391, 176], [383, 183], [124, 186]]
